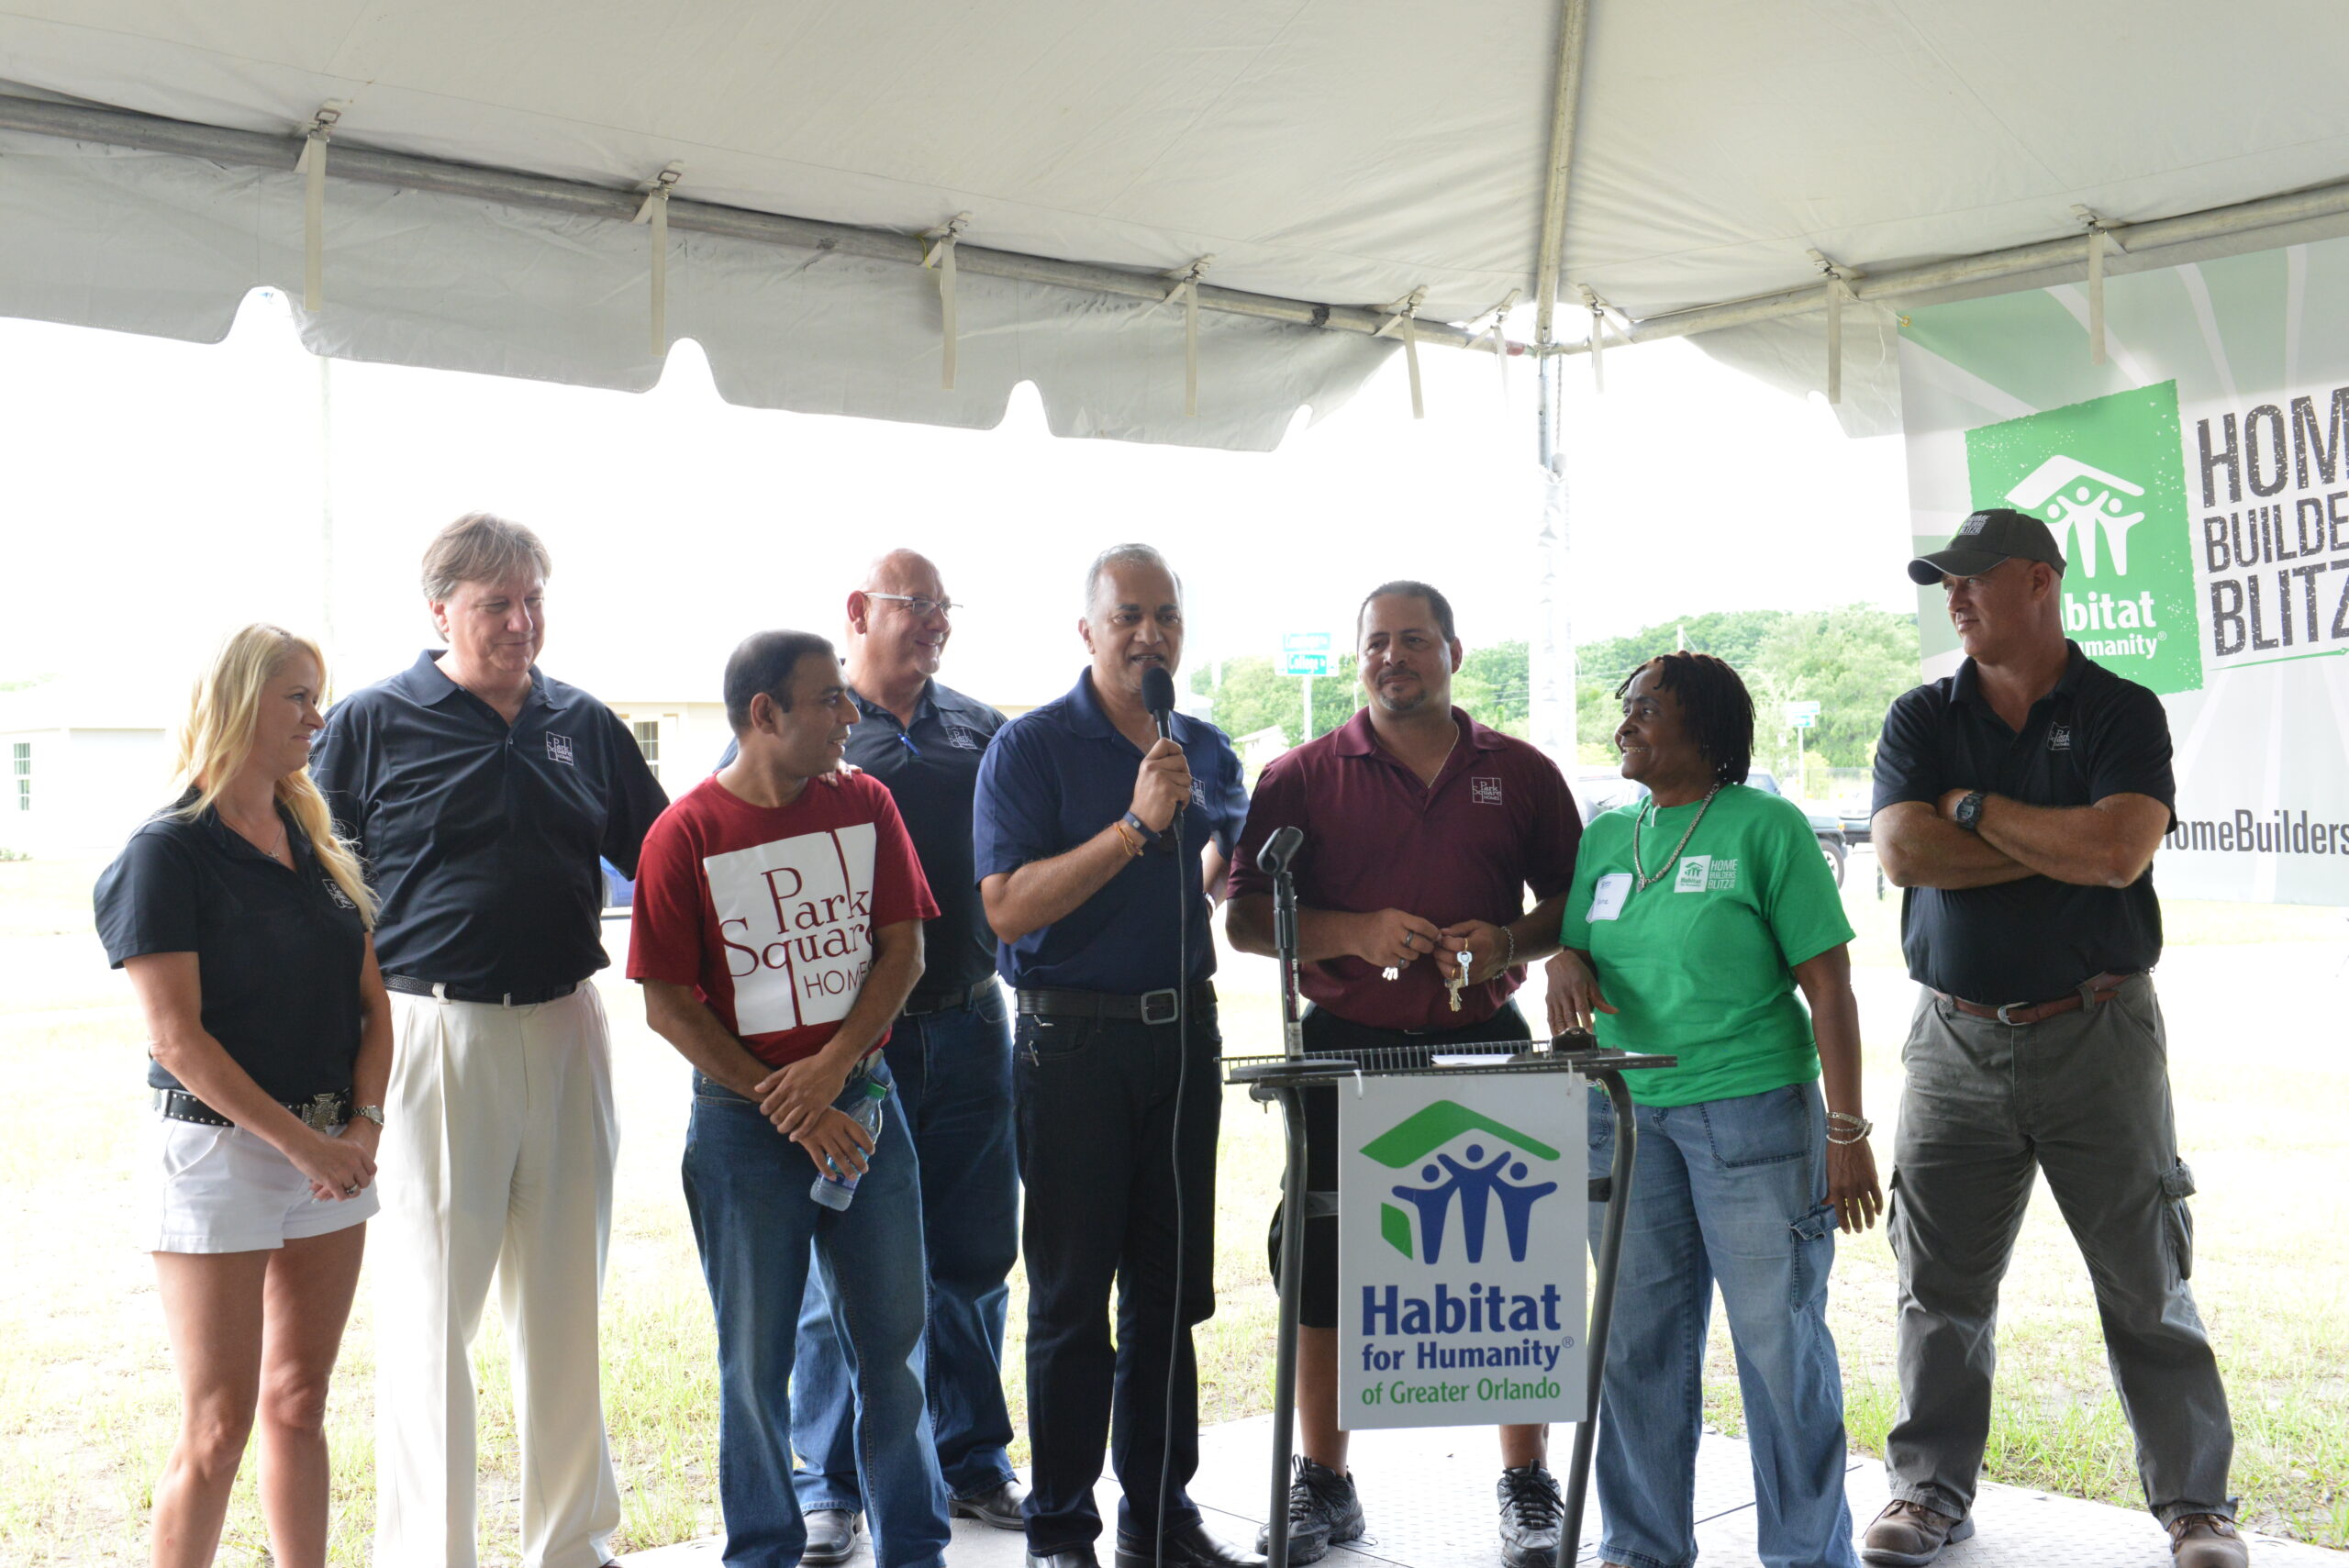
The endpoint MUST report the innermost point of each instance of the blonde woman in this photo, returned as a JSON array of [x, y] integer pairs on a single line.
[[244, 925]]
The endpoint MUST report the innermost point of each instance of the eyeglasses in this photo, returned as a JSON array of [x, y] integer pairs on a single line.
[[922, 608]]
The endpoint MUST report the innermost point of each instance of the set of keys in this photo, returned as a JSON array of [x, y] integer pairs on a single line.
[[1453, 986]]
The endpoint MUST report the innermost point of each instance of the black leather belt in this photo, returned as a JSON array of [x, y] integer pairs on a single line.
[[923, 1002], [322, 1111], [410, 986], [1151, 1007]]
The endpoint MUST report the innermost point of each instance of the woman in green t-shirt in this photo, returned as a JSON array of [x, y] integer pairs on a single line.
[[1696, 914]]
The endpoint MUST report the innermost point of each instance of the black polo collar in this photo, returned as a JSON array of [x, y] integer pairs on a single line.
[[430, 685], [1967, 687]]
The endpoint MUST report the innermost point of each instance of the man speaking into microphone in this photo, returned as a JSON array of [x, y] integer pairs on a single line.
[[1099, 828]]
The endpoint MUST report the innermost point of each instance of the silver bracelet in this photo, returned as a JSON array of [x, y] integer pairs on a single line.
[[1859, 1126], [1510, 938]]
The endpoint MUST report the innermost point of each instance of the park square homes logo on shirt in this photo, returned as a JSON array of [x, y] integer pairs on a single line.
[[1485, 791], [796, 917], [559, 749]]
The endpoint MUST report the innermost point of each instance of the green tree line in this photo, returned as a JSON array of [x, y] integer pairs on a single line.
[[1852, 660]]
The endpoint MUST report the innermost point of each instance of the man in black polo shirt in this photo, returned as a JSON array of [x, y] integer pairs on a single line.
[[1097, 840], [951, 1054], [481, 793], [2019, 803]]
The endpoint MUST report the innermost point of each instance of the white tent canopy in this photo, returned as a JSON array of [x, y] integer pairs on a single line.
[[1348, 154]]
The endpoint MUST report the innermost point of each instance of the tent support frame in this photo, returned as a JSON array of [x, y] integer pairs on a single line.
[[150, 133], [2070, 252]]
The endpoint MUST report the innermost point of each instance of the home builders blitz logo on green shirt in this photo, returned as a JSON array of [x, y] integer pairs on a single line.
[[2105, 476], [1459, 1251]]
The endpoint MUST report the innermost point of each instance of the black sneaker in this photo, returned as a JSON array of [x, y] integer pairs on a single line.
[[1532, 1512], [1323, 1509]]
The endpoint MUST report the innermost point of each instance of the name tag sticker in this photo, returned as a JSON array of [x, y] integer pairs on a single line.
[[1607, 898]]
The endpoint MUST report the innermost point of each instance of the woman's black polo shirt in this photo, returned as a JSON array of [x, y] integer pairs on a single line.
[[278, 951]]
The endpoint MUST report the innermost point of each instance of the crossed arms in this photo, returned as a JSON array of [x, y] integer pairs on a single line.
[[2109, 844]]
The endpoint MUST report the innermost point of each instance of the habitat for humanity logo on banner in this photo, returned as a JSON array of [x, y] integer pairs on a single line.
[[2104, 475], [1462, 1224]]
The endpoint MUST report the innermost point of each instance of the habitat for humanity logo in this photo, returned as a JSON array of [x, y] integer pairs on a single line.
[[2107, 477], [1480, 1180]]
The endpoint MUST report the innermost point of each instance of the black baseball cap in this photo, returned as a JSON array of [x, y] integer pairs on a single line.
[[1985, 540]]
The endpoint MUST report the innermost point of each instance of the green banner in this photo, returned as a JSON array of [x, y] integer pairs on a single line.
[[2198, 484]]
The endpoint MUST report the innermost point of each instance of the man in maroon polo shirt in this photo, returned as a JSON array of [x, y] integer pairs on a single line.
[[1422, 832]]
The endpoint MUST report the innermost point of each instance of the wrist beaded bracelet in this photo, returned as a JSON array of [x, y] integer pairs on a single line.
[[1859, 1126]]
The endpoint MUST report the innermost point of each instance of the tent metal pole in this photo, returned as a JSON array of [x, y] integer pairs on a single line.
[[1550, 662], [1566, 101], [2214, 223], [121, 127]]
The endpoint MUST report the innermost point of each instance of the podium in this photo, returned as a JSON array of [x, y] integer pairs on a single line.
[[1282, 1079]]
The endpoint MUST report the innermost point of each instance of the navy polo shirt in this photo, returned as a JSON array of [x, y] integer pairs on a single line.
[[1057, 776], [931, 770], [481, 839], [279, 949], [2036, 939]]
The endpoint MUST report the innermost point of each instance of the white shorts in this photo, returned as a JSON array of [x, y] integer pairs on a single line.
[[222, 1189]]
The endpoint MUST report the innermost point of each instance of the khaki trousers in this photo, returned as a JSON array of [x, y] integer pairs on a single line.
[[499, 1138]]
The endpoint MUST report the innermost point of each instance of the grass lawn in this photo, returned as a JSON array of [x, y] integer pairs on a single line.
[[87, 1404]]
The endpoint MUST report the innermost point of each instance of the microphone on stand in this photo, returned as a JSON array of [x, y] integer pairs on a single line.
[[1158, 697]]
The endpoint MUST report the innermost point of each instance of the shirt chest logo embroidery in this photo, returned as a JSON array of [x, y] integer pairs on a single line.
[[1485, 791], [962, 740], [1705, 874], [341, 899], [1198, 794], [2059, 738], [559, 749]]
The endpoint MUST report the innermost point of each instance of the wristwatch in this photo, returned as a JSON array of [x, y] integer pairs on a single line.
[[1150, 835], [1968, 814], [372, 1113]]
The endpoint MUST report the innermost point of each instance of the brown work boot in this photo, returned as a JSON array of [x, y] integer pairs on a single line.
[[1910, 1535], [2206, 1540]]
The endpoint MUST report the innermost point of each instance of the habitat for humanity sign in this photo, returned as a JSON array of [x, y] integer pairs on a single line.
[[1462, 1222], [2197, 484]]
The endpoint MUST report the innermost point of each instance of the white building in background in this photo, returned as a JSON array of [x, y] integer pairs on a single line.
[[84, 763]]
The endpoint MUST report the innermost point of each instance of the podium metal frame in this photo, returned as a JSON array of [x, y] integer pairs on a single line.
[[1282, 1079]]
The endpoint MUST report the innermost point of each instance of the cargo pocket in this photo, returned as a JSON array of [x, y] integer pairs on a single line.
[[2177, 1185]]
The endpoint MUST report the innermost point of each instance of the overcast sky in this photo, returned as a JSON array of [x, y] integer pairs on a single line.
[[161, 493]]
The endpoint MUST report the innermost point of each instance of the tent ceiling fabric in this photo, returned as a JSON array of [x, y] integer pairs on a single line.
[[1335, 150]]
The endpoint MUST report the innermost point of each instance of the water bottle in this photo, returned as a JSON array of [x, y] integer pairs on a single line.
[[837, 1188]]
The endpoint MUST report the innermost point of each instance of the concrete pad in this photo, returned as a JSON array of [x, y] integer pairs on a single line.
[[1429, 1495]]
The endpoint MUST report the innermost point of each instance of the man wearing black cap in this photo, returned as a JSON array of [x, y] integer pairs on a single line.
[[2019, 803]]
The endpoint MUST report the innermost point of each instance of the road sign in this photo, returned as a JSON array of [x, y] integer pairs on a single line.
[[1295, 662], [1305, 642], [1802, 715]]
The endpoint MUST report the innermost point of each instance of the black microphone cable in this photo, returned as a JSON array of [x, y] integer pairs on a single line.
[[1158, 696]]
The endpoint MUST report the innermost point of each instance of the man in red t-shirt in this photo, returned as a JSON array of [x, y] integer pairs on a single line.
[[777, 930]]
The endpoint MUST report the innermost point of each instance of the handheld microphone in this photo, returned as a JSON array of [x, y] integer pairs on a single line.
[[1158, 697]]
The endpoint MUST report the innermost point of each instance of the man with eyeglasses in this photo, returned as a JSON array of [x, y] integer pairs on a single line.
[[2019, 802], [951, 1054]]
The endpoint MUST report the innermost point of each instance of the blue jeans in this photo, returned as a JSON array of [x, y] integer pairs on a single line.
[[953, 1074], [1731, 1190], [746, 1188]]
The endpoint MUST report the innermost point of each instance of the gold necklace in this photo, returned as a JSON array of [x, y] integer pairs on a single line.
[[1641, 872]]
